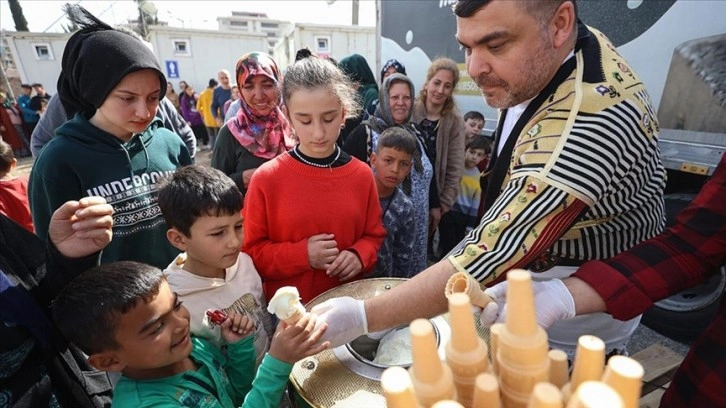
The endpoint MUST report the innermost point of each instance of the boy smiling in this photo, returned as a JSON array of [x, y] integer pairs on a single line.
[[126, 318]]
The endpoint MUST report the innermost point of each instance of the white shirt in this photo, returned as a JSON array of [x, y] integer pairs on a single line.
[[239, 291]]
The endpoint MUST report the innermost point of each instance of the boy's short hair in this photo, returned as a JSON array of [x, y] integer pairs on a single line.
[[397, 138], [87, 311], [194, 191], [6, 157], [474, 115], [26, 86], [212, 83], [37, 84], [479, 142]]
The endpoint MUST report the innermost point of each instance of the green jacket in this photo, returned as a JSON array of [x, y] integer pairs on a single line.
[[218, 382], [82, 160]]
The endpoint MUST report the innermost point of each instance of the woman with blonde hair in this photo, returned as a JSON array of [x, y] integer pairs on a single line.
[[442, 127]]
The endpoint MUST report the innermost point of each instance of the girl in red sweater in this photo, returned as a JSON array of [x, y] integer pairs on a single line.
[[312, 217]]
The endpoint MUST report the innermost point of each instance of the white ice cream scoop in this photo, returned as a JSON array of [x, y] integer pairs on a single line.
[[286, 305]]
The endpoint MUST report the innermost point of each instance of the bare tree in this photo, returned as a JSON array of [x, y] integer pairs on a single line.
[[21, 24]]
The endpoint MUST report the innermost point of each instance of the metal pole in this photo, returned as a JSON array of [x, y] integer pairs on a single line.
[[356, 9]]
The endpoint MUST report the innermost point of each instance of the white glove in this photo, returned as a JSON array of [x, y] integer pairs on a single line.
[[552, 302], [346, 318]]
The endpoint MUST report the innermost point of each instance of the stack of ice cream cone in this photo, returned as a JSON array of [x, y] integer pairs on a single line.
[[522, 347], [523, 372], [398, 389], [466, 353], [432, 378]]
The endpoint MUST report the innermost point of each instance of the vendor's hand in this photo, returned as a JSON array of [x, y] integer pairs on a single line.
[[81, 228], [293, 343], [346, 319], [236, 327], [219, 121], [552, 302], [322, 251], [345, 266]]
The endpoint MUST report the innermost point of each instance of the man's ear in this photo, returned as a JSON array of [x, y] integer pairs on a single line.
[[177, 239], [106, 361], [563, 24], [284, 110], [374, 158]]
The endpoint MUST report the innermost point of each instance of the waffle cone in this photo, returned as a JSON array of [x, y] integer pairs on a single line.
[[462, 282], [299, 313]]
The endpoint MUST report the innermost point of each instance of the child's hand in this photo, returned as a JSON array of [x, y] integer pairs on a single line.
[[345, 266], [236, 327], [322, 250], [293, 343]]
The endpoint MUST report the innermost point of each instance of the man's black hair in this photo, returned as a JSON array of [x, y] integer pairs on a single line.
[[474, 115], [479, 142], [397, 138], [87, 311]]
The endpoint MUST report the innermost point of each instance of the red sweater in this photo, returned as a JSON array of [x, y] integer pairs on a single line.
[[14, 201], [287, 202]]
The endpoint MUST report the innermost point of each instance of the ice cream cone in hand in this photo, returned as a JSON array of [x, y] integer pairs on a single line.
[[286, 305]]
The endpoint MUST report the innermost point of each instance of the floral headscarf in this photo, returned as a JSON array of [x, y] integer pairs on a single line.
[[265, 136]]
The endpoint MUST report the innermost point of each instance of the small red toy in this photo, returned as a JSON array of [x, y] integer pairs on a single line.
[[216, 316]]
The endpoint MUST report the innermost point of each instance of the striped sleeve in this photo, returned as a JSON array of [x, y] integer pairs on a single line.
[[524, 221]]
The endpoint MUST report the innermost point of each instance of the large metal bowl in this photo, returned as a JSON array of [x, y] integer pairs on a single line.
[[340, 378]]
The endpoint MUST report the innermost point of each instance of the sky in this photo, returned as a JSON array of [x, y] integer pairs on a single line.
[[47, 16]]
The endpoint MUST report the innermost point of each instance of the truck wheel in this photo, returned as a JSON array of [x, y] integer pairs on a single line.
[[685, 315]]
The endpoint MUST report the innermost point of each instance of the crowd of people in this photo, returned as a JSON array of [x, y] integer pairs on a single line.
[[118, 245]]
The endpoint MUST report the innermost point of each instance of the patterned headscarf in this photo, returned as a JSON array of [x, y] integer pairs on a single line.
[[395, 64], [265, 136]]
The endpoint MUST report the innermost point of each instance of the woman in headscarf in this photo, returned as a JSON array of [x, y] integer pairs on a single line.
[[259, 131], [357, 69], [395, 109], [391, 67]]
